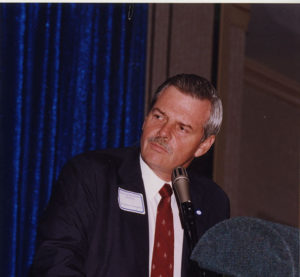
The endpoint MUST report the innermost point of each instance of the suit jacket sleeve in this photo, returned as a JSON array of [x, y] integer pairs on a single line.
[[63, 230]]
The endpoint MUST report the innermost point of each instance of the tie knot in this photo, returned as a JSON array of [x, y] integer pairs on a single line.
[[166, 191]]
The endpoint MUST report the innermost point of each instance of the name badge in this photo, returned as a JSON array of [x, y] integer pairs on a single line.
[[131, 201]]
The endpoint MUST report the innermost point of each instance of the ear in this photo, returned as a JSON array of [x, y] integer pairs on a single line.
[[204, 146]]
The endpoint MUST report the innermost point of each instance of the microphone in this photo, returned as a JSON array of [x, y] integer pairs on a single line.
[[181, 184]]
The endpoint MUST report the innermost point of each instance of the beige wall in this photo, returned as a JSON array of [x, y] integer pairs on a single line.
[[270, 146], [180, 40], [257, 154], [233, 25]]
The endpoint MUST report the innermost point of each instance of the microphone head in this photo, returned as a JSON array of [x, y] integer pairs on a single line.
[[180, 183]]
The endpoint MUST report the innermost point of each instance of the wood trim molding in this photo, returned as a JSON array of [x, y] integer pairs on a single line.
[[180, 39], [269, 81], [157, 48], [237, 14], [233, 25]]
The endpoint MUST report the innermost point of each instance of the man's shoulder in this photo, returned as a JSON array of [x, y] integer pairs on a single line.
[[101, 159], [201, 184], [209, 197], [106, 155]]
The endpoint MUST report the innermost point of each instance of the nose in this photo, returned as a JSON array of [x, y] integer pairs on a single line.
[[165, 130]]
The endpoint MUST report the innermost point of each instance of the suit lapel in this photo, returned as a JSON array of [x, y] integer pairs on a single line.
[[130, 179]]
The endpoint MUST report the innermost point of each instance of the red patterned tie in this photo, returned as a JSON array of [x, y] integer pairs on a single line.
[[163, 248]]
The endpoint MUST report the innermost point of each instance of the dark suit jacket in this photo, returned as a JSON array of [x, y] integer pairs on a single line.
[[85, 233]]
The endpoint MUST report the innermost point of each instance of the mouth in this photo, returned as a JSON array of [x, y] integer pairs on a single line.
[[159, 146]]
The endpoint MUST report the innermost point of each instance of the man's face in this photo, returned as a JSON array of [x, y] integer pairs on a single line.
[[172, 132]]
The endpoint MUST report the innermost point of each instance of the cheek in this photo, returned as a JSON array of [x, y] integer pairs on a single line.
[[180, 139], [147, 132], [185, 144], [149, 128]]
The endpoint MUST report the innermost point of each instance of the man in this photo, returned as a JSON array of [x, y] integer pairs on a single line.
[[101, 218]]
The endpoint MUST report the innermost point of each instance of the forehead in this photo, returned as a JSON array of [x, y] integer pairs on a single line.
[[183, 107]]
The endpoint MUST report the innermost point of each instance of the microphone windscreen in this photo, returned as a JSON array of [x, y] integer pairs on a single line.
[[181, 183], [246, 246]]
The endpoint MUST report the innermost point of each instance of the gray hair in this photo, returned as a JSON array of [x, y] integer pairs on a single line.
[[200, 88]]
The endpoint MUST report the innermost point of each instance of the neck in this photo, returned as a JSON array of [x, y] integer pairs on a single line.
[[164, 175]]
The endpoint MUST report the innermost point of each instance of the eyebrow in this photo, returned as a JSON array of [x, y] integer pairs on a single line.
[[163, 113], [158, 110]]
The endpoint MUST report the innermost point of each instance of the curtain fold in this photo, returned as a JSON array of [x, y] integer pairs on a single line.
[[72, 80]]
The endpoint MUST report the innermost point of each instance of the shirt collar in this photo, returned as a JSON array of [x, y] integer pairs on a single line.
[[152, 182]]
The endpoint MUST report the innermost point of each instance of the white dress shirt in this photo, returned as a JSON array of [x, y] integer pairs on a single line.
[[153, 184]]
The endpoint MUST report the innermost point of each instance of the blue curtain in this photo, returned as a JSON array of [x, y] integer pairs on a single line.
[[72, 79]]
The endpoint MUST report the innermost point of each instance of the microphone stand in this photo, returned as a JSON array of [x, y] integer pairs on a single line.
[[189, 225], [180, 183]]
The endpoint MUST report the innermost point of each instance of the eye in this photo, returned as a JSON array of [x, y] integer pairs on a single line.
[[183, 129], [157, 116]]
